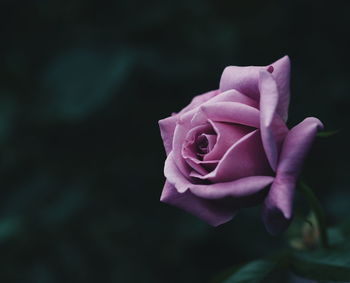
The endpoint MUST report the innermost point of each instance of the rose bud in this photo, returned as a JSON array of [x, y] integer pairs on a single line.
[[230, 148]]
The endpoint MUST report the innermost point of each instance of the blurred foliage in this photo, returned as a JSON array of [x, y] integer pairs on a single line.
[[252, 272], [300, 263], [82, 85]]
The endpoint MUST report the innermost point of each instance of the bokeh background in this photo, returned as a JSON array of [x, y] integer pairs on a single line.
[[82, 86]]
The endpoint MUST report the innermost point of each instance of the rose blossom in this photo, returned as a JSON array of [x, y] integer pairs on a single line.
[[230, 148]]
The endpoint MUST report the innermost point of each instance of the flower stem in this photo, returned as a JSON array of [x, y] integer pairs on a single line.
[[317, 209]]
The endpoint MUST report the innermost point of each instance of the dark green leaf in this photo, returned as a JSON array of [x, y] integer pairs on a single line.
[[331, 264], [254, 271]]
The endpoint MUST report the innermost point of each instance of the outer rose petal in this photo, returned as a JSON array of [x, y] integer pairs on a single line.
[[167, 128], [174, 175], [243, 187], [233, 95], [198, 100], [231, 112], [281, 74], [242, 79], [246, 80], [216, 96], [273, 131], [213, 213], [277, 209], [220, 201]]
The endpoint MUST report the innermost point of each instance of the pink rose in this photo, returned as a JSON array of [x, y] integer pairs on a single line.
[[230, 148]]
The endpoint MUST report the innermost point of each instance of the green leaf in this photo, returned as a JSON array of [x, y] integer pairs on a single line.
[[331, 264], [326, 134], [251, 272]]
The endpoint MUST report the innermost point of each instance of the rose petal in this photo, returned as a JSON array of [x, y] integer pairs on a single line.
[[243, 187], [198, 100], [233, 95], [227, 135], [189, 148], [242, 79], [277, 209], [184, 123], [243, 159], [211, 139], [246, 81], [174, 174], [197, 165], [273, 130], [231, 112], [167, 128], [281, 73], [213, 213], [208, 166], [177, 192], [227, 96], [178, 139]]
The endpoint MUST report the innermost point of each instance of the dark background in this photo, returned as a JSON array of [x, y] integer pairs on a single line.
[[82, 86]]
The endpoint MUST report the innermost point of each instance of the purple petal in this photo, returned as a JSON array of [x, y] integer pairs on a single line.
[[198, 100], [174, 128], [174, 175], [281, 74], [228, 96], [227, 135], [243, 159], [273, 129], [197, 165], [179, 137], [189, 148], [231, 112], [211, 139], [277, 209], [207, 166], [243, 187], [242, 79], [167, 128], [211, 212], [233, 95], [184, 123], [185, 117], [246, 81]]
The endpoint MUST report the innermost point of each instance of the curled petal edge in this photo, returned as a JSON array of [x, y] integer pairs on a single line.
[[278, 205]]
